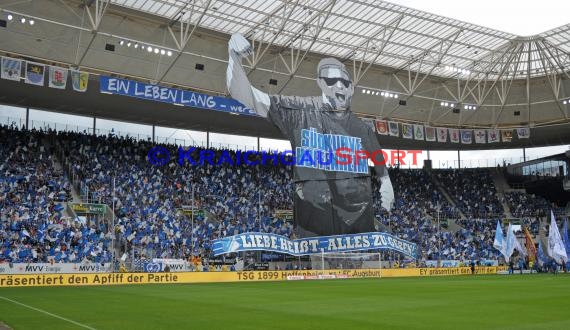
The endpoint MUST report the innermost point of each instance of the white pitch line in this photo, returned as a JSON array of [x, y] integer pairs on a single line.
[[48, 313]]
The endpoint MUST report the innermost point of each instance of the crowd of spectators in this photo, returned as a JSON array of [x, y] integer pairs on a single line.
[[32, 225], [522, 205], [414, 218], [153, 204], [473, 191]]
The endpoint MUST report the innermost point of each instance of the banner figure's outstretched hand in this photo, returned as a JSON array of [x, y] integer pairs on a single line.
[[239, 45]]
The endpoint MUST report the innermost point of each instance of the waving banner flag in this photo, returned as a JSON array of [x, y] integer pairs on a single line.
[[493, 135], [523, 133], [519, 247], [79, 80], [419, 132], [499, 242], [394, 129], [466, 136], [57, 77], [454, 135], [541, 256], [382, 127], [511, 243], [407, 131], [312, 245], [11, 69], [566, 241], [480, 136], [35, 73], [430, 134], [530, 246], [441, 134], [556, 247], [507, 135]]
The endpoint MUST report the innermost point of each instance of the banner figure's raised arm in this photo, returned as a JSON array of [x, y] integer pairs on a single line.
[[236, 78]]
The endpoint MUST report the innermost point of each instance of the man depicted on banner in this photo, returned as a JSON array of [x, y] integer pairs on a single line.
[[328, 200]]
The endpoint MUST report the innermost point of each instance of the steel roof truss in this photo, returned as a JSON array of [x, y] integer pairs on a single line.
[[553, 79], [95, 19], [99, 11], [369, 50], [187, 27], [485, 72], [309, 33], [434, 55], [506, 85], [272, 24]]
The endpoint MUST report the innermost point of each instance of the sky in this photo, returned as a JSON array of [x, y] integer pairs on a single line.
[[522, 17]]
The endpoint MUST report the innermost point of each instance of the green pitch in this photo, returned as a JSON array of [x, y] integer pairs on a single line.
[[467, 302]]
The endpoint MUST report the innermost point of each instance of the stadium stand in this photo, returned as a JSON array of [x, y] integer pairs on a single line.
[[33, 227], [235, 199], [473, 191], [522, 204]]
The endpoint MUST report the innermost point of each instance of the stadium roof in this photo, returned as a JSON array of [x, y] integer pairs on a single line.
[[349, 28], [489, 78]]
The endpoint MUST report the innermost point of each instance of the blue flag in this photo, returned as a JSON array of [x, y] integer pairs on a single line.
[[499, 242], [511, 243], [555, 246], [11, 69], [540, 254], [566, 241]]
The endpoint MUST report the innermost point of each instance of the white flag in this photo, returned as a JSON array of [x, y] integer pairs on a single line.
[[511, 243], [407, 131], [393, 128], [519, 247], [419, 132], [11, 69], [454, 135], [79, 80], [57, 77], [430, 134], [523, 133], [466, 136], [493, 135], [441, 134], [480, 136], [555, 245], [507, 135]]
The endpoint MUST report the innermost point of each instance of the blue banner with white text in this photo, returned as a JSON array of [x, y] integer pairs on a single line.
[[174, 96], [313, 245]]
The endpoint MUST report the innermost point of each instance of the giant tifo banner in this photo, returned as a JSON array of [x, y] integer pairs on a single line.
[[211, 277], [174, 96], [312, 245]]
